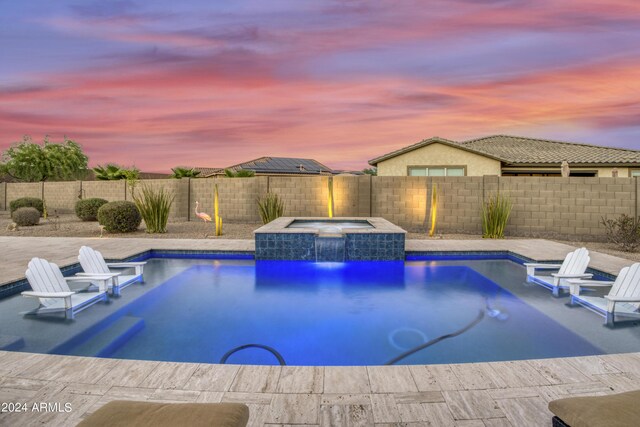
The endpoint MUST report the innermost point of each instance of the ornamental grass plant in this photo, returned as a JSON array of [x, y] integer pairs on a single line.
[[495, 215], [154, 206], [270, 207]]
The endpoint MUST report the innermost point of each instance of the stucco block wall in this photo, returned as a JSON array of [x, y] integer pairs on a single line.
[[570, 208], [401, 200], [364, 197], [23, 189], [305, 196], [108, 190], [345, 196], [3, 196], [61, 196], [459, 203], [236, 197], [437, 154]]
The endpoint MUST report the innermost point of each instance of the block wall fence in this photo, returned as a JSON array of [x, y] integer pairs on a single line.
[[569, 208]]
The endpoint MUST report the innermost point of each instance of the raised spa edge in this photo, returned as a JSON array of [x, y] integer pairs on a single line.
[[384, 241]]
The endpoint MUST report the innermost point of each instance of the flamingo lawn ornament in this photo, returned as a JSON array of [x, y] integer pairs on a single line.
[[203, 216]]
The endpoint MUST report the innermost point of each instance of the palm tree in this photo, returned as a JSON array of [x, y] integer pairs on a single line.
[[113, 172], [240, 173], [179, 173], [109, 172]]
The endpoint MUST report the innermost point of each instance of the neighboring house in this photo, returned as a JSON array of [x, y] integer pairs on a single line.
[[275, 166], [506, 156]]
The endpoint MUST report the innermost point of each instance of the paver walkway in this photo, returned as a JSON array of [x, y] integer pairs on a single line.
[[514, 393], [478, 394]]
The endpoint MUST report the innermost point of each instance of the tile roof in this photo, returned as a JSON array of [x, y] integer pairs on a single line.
[[284, 165], [206, 172], [519, 150], [531, 151]]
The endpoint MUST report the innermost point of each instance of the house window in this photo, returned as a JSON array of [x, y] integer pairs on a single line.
[[436, 171], [635, 172]]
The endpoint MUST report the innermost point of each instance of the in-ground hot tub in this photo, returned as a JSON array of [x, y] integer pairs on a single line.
[[331, 224], [336, 239]]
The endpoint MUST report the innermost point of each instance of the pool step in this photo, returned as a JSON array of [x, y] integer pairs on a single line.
[[107, 341], [11, 342]]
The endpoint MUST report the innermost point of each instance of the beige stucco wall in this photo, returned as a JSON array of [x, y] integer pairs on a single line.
[[606, 172], [437, 154]]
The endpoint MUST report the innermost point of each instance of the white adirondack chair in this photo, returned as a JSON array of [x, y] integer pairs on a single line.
[[93, 262], [574, 267], [623, 298], [53, 292]]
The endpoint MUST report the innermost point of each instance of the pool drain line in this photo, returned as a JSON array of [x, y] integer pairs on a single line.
[[264, 347], [437, 340]]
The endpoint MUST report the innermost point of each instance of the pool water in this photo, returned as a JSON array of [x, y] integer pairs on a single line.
[[339, 224], [354, 313]]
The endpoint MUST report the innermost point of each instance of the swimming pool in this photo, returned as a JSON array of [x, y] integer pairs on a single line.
[[353, 313]]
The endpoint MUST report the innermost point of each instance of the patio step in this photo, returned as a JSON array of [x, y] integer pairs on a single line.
[[107, 341]]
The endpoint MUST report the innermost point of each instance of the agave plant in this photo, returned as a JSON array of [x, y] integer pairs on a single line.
[[154, 206], [270, 207], [495, 215], [179, 173]]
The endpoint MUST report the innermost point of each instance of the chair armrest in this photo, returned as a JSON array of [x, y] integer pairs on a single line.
[[88, 277], [98, 276], [572, 276], [47, 294], [542, 265], [622, 299], [532, 267], [582, 282], [125, 264]]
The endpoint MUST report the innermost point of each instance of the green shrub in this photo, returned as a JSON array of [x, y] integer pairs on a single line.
[[623, 232], [25, 217], [87, 209], [27, 202], [119, 217], [495, 215], [154, 208], [270, 207]]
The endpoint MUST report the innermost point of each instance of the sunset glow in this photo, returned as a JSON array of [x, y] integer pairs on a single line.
[[161, 84]]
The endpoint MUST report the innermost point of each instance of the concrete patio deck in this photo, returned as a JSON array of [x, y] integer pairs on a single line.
[[494, 394]]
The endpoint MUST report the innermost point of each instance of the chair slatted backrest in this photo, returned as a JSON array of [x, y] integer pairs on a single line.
[[45, 276], [627, 283], [575, 262], [92, 261]]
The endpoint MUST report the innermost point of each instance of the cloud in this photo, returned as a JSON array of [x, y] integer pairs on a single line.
[[339, 81]]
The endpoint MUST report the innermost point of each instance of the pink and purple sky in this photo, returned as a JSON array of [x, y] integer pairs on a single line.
[[165, 83]]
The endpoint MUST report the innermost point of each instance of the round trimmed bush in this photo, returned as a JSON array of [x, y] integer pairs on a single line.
[[119, 217], [26, 217], [87, 209], [26, 202]]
